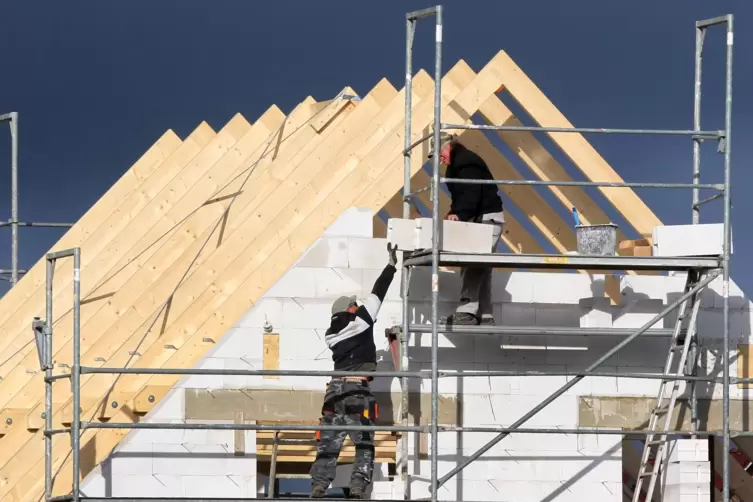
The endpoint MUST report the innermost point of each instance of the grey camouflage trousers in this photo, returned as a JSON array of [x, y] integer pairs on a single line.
[[345, 403]]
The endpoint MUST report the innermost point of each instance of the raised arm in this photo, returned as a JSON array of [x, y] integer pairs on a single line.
[[373, 302]]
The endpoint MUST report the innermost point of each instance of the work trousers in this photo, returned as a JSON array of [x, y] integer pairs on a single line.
[[476, 282], [346, 402]]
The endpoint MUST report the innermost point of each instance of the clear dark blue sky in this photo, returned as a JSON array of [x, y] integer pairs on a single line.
[[97, 82]]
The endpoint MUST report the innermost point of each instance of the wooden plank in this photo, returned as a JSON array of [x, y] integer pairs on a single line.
[[20, 440], [129, 265], [239, 437], [323, 118], [148, 398], [92, 219], [235, 272], [13, 385], [12, 416], [301, 159], [25, 356], [541, 162], [576, 147], [744, 366], [97, 324], [525, 198], [271, 353]]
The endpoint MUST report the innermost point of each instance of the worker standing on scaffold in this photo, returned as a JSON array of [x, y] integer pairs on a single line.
[[348, 400], [477, 203]]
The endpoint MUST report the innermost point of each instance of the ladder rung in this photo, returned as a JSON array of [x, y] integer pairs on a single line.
[[657, 442]]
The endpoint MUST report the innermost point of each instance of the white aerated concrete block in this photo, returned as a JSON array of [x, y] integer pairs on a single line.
[[684, 472], [557, 315], [513, 287], [149, 436], [153, 486], [224, 486], [515, 314], [689, 240], [131, 459], [712, 295], [688, 450], [326, 252], [301, 343], [239, 342], [596, 312], [637, 312], [456, 236], [557, 288], [205, 381], [367, 253], [687, 492], [265, 310], [296, 282], [305, 313], [190, 459], [353, 222], [335, 282], [241, 381]]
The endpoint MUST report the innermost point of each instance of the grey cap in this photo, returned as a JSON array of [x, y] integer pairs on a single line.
[[444, 138], [342, 304]]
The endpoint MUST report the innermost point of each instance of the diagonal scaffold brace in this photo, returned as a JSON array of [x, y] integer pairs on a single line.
[[664, 313]]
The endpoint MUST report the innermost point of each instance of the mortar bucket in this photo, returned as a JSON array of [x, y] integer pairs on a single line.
[[599, 240]]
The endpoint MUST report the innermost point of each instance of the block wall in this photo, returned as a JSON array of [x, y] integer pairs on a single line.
[[522, 467]]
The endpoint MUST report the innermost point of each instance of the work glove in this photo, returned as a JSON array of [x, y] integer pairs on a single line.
[[392, 252]]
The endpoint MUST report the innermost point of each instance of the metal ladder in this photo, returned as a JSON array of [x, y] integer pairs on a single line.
[[655, 445]]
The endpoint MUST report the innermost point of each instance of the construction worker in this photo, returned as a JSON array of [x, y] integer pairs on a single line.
[[348, 400], [478, 203]]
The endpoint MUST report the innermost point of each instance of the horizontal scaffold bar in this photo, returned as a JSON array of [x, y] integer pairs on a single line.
[[571, 262], [587, 130], [611, 184]]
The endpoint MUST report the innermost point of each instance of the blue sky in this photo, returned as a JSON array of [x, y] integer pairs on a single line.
[[97, 82]]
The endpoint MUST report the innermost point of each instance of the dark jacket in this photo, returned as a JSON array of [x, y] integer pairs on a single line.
[[350, 335], [470, 201]]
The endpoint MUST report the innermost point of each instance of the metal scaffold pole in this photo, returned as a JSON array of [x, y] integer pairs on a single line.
[[706, 269], [14, 222], [403, 340], [727, 249]]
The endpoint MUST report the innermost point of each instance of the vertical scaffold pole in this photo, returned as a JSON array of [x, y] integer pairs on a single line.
[[410, 30], [726, 252], [47, 358], [76, 375], [14, 197], [436, 235], [696, 214]]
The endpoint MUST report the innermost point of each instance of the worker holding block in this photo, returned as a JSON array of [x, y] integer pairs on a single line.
[[348, 400], [477, 203]]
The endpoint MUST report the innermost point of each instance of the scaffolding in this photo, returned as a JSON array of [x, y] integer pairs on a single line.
[[710, 267], [13, 223]]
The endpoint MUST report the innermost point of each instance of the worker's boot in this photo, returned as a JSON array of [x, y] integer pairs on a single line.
[[317, 492], [460, 319], [357, 493], [487, 320]]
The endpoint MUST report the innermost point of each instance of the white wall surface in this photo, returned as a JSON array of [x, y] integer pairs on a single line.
[[522, 467]]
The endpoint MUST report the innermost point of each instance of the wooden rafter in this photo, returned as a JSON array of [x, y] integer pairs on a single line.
[[197, 231]]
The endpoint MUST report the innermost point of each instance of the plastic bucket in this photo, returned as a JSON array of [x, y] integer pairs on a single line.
[[599, 240]]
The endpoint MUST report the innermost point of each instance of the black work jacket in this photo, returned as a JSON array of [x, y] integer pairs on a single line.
[[470, 201]]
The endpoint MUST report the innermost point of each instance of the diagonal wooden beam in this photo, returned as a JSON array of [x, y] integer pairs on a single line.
[[541, 162], [285, 177], [577, 148], [277, 256]]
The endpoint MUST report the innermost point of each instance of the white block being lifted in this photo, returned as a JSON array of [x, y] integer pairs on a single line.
[[456, 236], [689, 240]]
